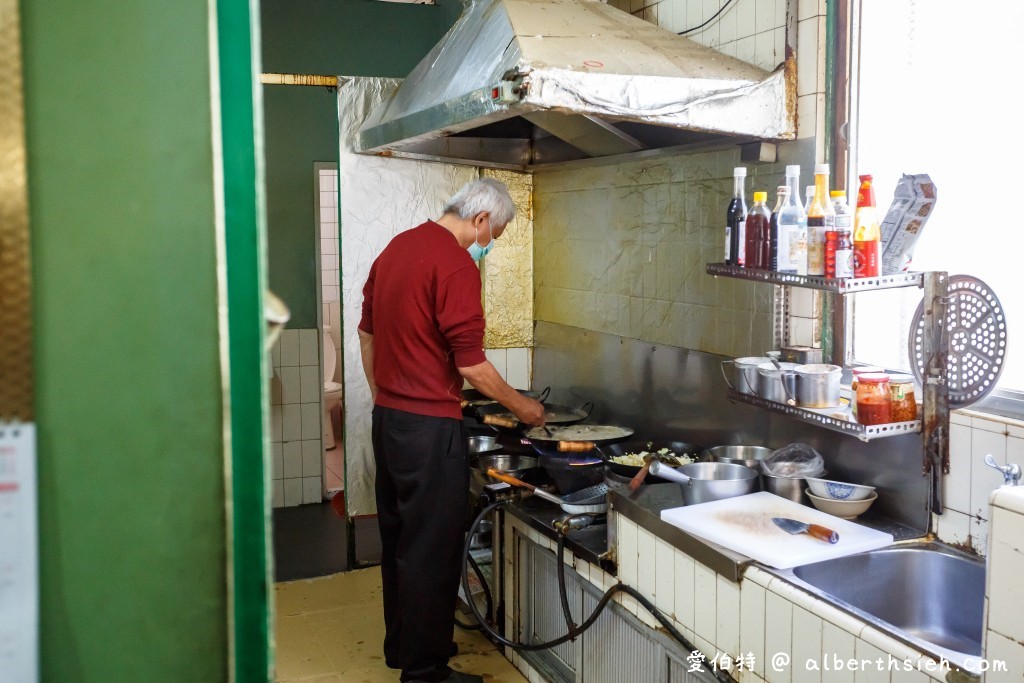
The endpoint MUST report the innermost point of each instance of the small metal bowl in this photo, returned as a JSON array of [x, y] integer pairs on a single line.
[[751, 456], [483, 444]]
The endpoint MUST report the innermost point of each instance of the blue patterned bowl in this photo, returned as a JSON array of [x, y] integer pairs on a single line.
[[838, 490]]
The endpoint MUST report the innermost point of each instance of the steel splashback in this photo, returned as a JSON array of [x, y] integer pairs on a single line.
[[527, 83]]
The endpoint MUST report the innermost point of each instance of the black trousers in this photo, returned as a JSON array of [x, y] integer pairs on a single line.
[[422, 489]]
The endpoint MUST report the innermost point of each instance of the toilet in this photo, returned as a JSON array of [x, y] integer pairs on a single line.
[[332, 389]]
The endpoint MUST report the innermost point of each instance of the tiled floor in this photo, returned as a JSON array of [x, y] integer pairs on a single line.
[[329, 630], [334, 459]]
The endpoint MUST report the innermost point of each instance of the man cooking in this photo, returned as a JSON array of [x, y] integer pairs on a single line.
[[421, 336]]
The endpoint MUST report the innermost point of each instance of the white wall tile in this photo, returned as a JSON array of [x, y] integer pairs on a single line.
[[291, 422], [752, 609], [778, 634], [291, 454], [959, 417], [312, 490], [807, 66], [1005, 572], [498, 360], [310, 387], [705, 596], [952, 527], [665, 577], [275, 353], [806, 116], [276, 460], [311, 419], [727, 612], [646, 578], [309, 346], [870, 674], [801, 331], [802, 302], [291, 387], [276, 420], [746, 49], [517, 367], [746, 25], [985, 479], [626, 553], [684, 610], [764, 16], [958, 482], [277, 494], [289, 347], [312, 458], [1007, 651], [979, 535], [292, 492], [838, 645], [807, 636], [989, 424]]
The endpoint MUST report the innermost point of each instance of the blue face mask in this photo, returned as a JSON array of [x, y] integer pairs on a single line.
[[476, 252]]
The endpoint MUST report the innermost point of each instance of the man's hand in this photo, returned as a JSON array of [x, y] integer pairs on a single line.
[[531, 413]]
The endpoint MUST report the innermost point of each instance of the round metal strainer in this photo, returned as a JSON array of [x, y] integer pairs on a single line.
[[976, 325]]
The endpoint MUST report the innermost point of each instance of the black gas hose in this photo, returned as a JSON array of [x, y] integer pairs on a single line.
[[574, 630]]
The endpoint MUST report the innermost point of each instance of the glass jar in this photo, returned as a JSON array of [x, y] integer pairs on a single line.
[[856, 372], [874, 399], [904, 405]]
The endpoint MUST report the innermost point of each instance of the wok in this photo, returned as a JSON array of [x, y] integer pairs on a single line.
[[554, 414], [475, 398], [635, 446]]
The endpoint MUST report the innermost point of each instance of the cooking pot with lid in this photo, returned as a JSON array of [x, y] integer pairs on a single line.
[[817, 385], [741, 374]]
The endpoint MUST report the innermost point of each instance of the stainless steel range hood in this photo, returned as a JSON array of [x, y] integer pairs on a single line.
[[525, 83]]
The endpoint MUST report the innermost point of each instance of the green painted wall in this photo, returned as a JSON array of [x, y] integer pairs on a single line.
[[131, 463], [327, 37]]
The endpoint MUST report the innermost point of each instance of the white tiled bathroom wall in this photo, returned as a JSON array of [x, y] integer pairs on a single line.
[[295, 415], [327, 217]]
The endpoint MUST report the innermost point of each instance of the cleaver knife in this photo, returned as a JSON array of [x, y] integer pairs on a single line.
[[819, 532]]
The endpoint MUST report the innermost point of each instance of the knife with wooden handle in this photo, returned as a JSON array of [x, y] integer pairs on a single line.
[[792, 526]]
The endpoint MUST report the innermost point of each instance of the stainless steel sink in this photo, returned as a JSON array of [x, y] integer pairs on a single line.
[[927, 595]]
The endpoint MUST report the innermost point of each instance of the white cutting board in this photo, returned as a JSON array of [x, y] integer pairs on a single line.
[[744, 524]]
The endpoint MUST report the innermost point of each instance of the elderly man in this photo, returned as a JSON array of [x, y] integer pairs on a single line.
[[421, 335]]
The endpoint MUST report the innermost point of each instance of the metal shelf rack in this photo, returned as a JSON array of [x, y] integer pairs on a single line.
[[839, 286], [827, 420]]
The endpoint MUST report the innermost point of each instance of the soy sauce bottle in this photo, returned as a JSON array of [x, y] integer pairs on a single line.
[[735, 221]]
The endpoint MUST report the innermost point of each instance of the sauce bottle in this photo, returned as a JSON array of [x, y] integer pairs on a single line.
[[866, 233], [735, 217], [757, 249], [793, 227], [874, 400], [821, 218], [773, 228], [843, 257]]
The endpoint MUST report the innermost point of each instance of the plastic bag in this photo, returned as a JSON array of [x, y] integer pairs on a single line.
[[794, 460]]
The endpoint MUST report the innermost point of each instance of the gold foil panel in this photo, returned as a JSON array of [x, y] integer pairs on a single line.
[[16, 402], [507, 272]]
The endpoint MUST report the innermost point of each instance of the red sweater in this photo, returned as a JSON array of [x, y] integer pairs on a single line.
[[421, 303]]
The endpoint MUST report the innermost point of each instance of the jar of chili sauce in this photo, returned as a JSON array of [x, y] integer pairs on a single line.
[[904, 405], [874, 399], [857, 372]]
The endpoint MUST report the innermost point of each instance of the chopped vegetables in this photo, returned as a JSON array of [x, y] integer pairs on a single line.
[[664, 455]]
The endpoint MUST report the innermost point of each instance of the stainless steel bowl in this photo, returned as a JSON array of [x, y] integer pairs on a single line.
[[483, 444], [751, 456], [787, 487], [514, 465]]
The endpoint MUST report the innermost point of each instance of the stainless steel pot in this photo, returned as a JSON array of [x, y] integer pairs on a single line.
[[817, 385], [750, 456], [704, 482], [777, 383], [514, 465], [741, 374]]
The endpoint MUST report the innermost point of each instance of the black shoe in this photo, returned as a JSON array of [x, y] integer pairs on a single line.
[[452, 652]]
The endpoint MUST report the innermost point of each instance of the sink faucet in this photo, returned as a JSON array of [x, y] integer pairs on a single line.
[[1011, 473]]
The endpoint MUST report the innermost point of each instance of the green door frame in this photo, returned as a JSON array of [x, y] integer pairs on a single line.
[[244, 250]]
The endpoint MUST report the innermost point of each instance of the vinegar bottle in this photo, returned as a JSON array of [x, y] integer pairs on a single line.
[[773, 227], [735, 217], [821, 218], [756, 252], [866, 233], [793, 227]]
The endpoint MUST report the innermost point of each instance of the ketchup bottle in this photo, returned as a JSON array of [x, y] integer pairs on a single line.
[[866, 234]]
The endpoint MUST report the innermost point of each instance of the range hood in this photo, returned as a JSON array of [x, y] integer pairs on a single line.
[[522, 84]]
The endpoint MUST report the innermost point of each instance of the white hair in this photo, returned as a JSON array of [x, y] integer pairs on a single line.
[[478, 196]]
